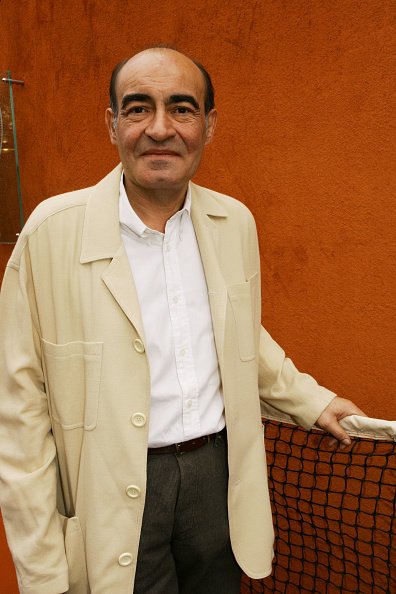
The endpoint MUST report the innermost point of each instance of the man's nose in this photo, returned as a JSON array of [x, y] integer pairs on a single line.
[[160, 126]]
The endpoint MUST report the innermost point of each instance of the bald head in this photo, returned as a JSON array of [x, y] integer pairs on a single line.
[[179, 56]]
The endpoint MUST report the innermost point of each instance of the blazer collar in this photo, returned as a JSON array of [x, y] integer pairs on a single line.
[[101, 232], [203, 200]]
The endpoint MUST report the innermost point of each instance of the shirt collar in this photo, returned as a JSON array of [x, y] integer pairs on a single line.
[[129, 218]]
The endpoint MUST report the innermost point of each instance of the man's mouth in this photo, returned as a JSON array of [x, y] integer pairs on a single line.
[[160, 153]]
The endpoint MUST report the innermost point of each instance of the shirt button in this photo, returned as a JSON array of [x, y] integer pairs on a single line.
[[125, 559], [138, 345], [189, 403], [138, 419], [132, 491]]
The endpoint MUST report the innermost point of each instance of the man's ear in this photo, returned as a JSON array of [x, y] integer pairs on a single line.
[[111, 125], [211, 120]]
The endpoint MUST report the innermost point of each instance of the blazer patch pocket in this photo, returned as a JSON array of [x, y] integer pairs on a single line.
[[72, 373], [241, 300]]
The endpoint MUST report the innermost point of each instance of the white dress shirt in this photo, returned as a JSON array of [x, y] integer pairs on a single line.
[[186, 396]]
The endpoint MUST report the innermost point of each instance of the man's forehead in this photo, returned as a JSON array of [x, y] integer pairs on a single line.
[[158, 68]]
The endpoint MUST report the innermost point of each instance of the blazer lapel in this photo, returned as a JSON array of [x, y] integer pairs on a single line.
[[102, 240], [204, 212], [119, 280]]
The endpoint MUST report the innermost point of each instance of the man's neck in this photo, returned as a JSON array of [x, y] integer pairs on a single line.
[[156, 207]]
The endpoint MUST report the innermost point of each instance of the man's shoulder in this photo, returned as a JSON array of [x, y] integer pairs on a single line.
[[220, 204], [52, 212], [73, 203], [55, 205]]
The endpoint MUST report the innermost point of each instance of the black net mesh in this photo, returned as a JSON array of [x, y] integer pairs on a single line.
[[334, 514]]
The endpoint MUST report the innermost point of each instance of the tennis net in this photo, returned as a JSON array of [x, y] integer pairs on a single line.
[[334, 510]]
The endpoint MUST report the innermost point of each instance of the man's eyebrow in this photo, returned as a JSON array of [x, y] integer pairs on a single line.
[[134, 97], [177, 98], [183, 99]]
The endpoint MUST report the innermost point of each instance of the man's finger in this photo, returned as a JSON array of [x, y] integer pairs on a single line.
[[339, 436]]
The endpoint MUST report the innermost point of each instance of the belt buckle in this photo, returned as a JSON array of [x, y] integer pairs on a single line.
[[178, 449]]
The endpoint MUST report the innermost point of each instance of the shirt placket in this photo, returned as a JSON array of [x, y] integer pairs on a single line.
[[181, 331]]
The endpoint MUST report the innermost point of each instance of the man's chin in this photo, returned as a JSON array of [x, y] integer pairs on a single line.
[[162, 179], [160, 183]]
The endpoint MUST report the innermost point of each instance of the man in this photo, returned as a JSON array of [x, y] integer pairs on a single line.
[[130, 323]]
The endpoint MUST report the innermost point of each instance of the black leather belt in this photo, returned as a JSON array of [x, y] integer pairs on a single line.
[[188, 446]]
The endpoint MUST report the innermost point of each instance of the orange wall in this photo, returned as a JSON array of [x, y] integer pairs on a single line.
[[306, 138]]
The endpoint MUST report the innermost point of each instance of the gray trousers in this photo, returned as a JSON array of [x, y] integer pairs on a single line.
[[185, 542]]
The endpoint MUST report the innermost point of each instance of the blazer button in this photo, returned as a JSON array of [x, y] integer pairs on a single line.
[[138, 345], [138, 419], [125, 559], [132, 491]]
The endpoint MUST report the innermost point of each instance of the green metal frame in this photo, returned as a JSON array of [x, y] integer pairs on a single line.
[[17, 219], [21, 218]]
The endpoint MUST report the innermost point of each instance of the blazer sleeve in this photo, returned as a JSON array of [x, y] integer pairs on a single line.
[[27, 449], [284, 387]]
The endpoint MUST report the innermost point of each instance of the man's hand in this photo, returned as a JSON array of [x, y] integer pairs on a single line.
[[338, 409]]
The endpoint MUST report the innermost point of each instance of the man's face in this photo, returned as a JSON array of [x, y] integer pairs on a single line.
[[161, 129]]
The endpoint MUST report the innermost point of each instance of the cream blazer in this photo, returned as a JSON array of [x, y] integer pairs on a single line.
[[75, 391]]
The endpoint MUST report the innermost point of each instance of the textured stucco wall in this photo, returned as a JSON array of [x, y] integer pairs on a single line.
[[306, 138]]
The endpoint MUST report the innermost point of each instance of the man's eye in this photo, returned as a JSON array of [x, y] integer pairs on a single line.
[[137, 109], [182, 110]]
